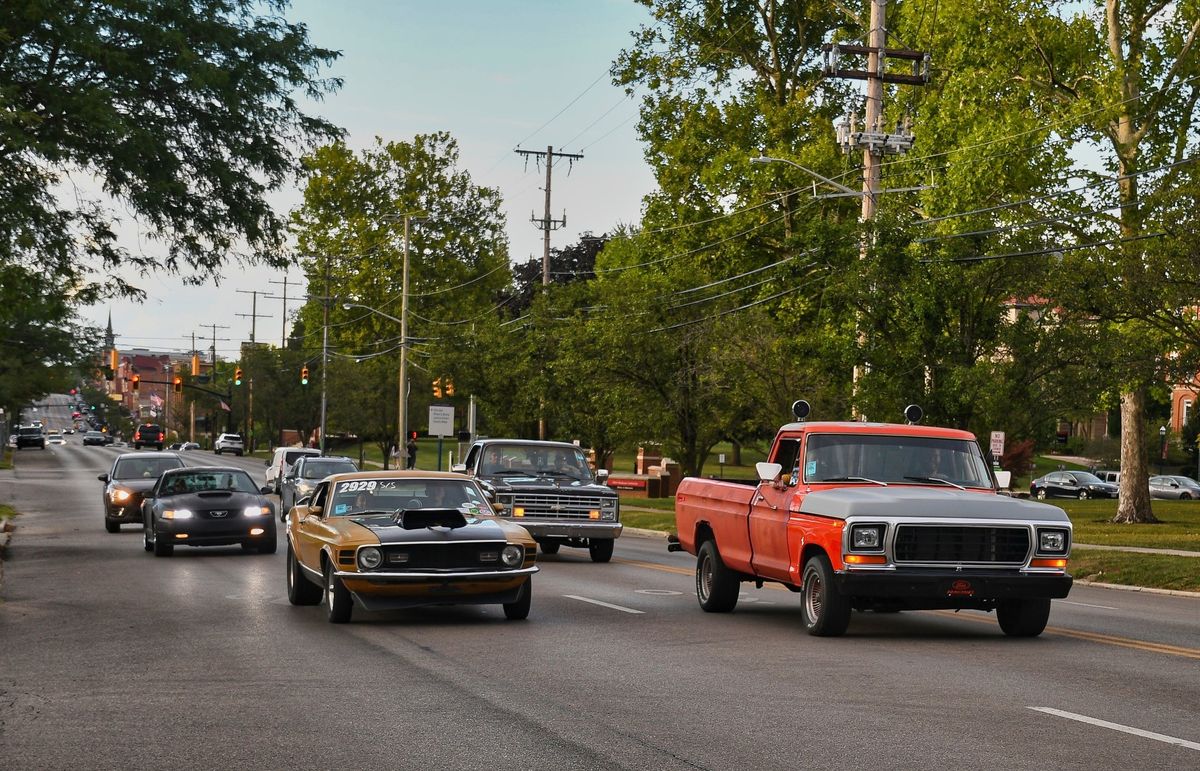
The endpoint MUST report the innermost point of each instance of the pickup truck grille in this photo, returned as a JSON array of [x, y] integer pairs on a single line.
[[559, 506], [442, 556], [959, 544]]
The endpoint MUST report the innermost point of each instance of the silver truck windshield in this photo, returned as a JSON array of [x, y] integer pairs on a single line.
[[894, 460]]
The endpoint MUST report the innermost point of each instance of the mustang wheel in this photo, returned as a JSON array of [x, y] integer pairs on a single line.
[[601, 549], [549, 547], [519, 609], [1023, 618], [163, 548], [268, 546], [300, 590], [1041, 494], [337, 597], [112, 527], [716, 585], [147, 542], [825, 611]]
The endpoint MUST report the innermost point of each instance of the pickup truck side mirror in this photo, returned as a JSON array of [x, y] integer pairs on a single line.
[[459, 468], [602, 475], [768, 472]]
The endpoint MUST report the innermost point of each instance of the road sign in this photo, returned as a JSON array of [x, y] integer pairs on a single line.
[[441, 420], [997, 444]]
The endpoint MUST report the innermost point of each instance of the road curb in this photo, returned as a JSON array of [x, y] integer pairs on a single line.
[[644, 532], [1146, 589], [6, 531]]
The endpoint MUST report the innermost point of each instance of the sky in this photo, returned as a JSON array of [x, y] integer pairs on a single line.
[[495, 74]]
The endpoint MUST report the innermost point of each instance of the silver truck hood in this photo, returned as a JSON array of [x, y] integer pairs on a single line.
[[895, 501]]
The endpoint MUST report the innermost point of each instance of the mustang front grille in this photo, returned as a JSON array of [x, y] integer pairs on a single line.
[[956, 544], [442, 556], [562, 506]]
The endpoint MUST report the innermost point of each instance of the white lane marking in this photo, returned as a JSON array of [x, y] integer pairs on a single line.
[[1118, 727], [603, 604], [659, 592], [1087, 605]]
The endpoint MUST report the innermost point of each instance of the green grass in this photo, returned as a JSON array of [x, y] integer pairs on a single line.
[[649, 520], [1134, 569], [7, 512], [1179, 527]]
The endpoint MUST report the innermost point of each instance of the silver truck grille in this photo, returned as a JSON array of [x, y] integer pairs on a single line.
[[559, 506]]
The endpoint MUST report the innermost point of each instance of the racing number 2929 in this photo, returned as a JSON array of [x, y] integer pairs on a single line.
[[355, 486]]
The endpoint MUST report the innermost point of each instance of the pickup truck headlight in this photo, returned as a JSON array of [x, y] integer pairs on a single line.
[[369, 557], [1052, 541], [866, 537]]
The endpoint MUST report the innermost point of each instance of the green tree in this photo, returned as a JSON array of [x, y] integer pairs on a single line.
[[184, 112]]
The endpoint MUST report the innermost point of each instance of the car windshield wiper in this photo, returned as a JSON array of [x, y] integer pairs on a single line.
[[852, 479], [371, 512], [938, 480]]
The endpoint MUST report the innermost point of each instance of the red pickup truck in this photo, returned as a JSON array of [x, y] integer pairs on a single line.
[[874, 516]]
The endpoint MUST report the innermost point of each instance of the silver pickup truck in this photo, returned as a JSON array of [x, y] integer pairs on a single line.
[[548, 488]]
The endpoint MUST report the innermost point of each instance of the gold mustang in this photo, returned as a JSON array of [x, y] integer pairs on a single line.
[[400, 539]]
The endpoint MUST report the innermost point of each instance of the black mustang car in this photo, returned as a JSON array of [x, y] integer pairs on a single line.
[[131, 477], [208, 506]]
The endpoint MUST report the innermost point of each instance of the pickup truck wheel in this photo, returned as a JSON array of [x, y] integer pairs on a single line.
[[549, 547], [337, 597], [1023, 618], [716, 585], [300, 590], [601, 549], [519, 610], [825, 611]]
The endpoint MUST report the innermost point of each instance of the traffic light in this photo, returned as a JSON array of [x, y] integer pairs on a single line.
[[136, 380], [304, 376], [178, 384], [449, 387], [437, 388], [237, 376], [195, 364]]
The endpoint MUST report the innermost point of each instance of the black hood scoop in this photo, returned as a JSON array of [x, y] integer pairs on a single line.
[[419, 519]]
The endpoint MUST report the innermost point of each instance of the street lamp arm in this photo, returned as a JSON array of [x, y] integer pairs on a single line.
[[810, 172], [348, 306]]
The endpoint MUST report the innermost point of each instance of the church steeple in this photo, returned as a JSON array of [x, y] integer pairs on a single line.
[[110, 341]]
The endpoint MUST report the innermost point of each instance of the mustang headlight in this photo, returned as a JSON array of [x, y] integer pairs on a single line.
[[1052, 541], [369, 557], [866, 537], [512, 555], [255, 511], [120, 496], [177, 514]]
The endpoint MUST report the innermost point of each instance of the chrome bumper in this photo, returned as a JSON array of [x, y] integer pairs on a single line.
[[549, 528]]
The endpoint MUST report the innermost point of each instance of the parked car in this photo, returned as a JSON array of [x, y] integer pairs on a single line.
[[382, 540], [149, 434], [30, 436], [189, 446], [1108, 475], [1071, 484], [302, 478], [207, 506], [93, 437], [281, 461], [1174, 487], [229, 443], [131, 476]]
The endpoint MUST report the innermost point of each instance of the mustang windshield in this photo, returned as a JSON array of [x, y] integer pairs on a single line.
[[388, 495], [142, 468], [199, 481], [894, 460], [535, 460]]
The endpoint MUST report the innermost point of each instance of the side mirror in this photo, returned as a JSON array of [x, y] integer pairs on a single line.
[[602, 475], [459, 468], [767, 472], [266, 490], [103, 478]]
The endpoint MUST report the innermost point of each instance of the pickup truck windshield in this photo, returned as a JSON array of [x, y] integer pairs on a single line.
[[895, 460], [534, 460]]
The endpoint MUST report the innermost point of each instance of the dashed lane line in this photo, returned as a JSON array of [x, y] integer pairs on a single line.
[[621, 608], [1118, 727]]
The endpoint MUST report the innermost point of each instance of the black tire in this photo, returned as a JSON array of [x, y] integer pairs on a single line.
[[825, 611], [112, 527], [717, 586], [1041, 494], [147, 542], [549, 547], [163, 548], [1023, 618], [249, 546], [518, 610], [216, 452], [601, 549], [269, 546], [239, 453], [337, 597], [300, 590], [1184, 497]]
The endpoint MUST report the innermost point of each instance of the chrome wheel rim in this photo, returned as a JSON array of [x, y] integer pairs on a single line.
[[814, 591], [329, 591], [704, 578]]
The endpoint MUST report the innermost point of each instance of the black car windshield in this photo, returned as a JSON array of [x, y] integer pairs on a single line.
[[28, 430], [534, 460], [388, 495], [142, 468], [320, 469], [1087, 478], [894, 459], [207, 480]]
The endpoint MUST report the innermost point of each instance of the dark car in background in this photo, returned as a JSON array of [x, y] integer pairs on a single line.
[[126, 483], [208, 506], [1174, 487], [148, 434], [304, 475], [93, 437], [1071, 484], [30, 436]]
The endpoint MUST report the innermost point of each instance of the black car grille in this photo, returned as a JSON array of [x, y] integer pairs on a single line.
[[443, 556], [560, 506], [959, 544]]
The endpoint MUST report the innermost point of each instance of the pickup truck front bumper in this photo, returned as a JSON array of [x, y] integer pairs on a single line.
[[549, 528], [951, 588]]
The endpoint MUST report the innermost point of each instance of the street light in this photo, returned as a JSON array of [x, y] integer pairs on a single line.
[[835, 185]]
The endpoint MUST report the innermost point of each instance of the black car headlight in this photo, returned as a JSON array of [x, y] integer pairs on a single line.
[[369, 557], [512, 555], [1053, 541], [866, 537]]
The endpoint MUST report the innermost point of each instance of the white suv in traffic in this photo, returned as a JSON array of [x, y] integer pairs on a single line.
[[228, 443], [281, 461]]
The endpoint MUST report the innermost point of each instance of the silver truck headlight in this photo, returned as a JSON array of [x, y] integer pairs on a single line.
[[512, 555], [866, 537], [370, 557], [1052, 541]]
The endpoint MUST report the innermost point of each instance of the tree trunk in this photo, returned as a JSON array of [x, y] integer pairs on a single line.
[[1134, 504]]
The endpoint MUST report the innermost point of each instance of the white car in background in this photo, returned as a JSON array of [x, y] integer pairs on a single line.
[[281, 462], [229, 443]]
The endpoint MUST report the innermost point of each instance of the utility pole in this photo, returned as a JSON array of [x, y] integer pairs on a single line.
[[213, 339], [872, 140], [254, 315], [546, 224], [324, 351], [283, 324], [402, 395]]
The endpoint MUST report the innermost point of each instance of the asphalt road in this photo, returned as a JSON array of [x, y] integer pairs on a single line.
[[112, 658]]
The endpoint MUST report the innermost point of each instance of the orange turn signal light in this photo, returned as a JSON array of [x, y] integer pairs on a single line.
[[1059, 562], [865, 559], [519, 511]]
